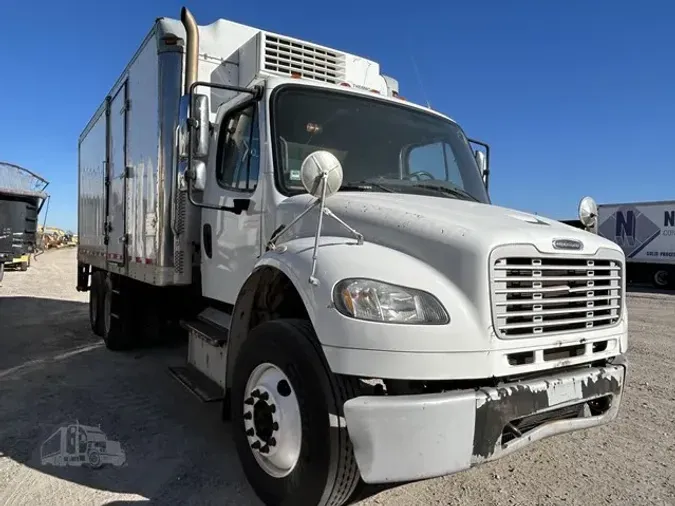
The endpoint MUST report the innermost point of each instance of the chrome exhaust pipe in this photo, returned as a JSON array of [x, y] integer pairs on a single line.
[[191, 47]]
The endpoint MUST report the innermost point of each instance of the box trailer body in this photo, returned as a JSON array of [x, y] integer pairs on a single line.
[[330, 328], [18, 225], [646, 233], [22, 195]]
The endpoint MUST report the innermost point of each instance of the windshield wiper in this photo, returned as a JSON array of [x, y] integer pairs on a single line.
[[364, 186], [458, 192]]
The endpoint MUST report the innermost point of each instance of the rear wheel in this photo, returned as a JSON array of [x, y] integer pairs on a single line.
[[661, 278], [96, 303], [282, 399], [115, 312]]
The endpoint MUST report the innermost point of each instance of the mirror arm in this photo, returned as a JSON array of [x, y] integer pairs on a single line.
[[487, 150], [257, 93], [486, 173]]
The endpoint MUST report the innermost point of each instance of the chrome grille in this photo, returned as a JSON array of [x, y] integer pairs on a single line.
[[540, 296]]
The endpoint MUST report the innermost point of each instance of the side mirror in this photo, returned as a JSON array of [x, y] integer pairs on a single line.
[[588, 213], [198, 175], [481, 160], [199, 117], [321, 174]]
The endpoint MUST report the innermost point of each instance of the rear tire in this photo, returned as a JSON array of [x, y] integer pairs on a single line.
[[661, 278], [96, 303], [116, 326], [323, 471]]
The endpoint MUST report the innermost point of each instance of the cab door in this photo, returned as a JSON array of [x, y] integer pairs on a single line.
[[230, 239]]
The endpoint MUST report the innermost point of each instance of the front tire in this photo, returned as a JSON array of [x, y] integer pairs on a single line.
[[283, 391]]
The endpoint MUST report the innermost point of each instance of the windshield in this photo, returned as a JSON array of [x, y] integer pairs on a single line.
[[382, 146]]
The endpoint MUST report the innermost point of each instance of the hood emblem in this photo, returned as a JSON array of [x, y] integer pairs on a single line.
[[568, 244]]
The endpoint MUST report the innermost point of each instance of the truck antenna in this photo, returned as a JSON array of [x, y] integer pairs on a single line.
[[419, 77]]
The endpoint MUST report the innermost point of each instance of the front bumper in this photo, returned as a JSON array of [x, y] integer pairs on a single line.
[[413, 437]]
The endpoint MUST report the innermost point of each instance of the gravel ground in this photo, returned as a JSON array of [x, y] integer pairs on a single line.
[[54, 371]]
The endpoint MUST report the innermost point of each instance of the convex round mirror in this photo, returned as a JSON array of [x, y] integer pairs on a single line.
[[588, 211], [312, 173]]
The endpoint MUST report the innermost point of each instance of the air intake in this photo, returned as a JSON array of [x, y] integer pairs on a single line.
[[286, 57]]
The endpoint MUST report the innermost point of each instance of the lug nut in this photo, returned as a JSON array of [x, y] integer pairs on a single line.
[[265, 449], [256, 445], [264, 396], [250, 401], [255, 393], [272, 442], [275, 426], [250, 432], [248, 415], [272, 408]]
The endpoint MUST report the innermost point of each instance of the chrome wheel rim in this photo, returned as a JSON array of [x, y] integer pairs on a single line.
[[272, 421]]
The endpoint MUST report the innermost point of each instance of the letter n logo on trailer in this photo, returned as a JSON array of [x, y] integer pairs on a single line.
[[625, 227], [629, 228], [669, 219]]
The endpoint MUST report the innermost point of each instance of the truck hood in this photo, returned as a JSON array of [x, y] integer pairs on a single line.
[[382, 217], [453, 236]]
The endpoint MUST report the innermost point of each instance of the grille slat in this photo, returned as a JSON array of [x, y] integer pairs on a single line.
[[552, 312], [551, 295], [561, 300], [589, 277], [552, 323], [540, 267]]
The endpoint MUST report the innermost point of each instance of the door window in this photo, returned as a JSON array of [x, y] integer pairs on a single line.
[[238, 157], [438, 160]]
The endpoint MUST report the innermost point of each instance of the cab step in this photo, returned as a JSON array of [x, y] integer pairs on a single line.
[[216, 318], [204, 373], [198, 383], [215, 335]]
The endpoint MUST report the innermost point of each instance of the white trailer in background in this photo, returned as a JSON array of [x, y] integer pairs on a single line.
[[349, 291], [646, 233]]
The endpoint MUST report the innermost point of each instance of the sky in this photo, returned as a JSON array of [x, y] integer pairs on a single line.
[[574, 97]]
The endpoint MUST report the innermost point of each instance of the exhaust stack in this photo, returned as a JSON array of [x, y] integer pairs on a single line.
[[191, 47]]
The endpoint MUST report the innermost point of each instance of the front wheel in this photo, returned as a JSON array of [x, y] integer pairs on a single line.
[[288, 424]]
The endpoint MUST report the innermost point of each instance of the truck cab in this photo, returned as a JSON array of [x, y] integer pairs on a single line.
[[364, 311]]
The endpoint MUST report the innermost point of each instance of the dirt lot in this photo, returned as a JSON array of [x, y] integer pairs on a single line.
[[53, 371]]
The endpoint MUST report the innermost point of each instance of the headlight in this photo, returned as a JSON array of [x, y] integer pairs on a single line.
[[367, 299]]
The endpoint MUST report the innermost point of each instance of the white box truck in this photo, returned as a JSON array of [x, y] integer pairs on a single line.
[[348, 290], [646, 233]]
